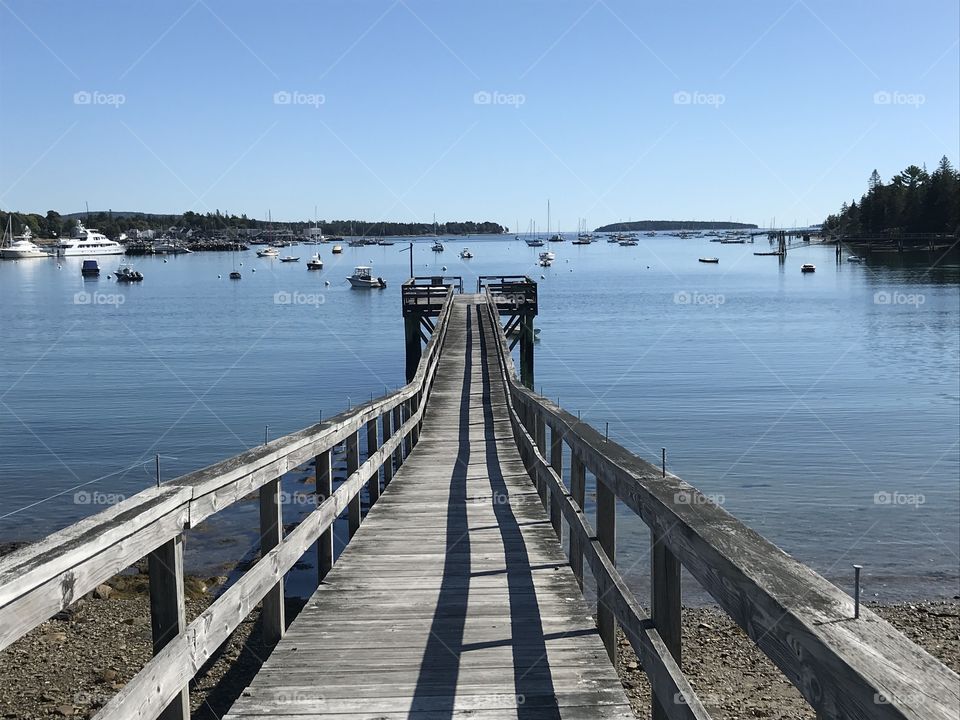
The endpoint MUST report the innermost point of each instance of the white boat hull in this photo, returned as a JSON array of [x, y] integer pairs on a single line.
[[18, 254], [80, 251], [368, 283]]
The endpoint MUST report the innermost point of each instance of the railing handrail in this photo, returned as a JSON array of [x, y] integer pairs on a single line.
[[803, 623], [42, 578]]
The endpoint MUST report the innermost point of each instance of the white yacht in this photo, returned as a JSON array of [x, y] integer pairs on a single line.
[[21, 247], [83, 241]]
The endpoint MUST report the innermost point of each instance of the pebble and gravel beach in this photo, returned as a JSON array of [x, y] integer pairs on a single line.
[[74, 663]]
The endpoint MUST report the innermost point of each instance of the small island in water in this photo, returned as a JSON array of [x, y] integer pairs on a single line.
[[635, 225]]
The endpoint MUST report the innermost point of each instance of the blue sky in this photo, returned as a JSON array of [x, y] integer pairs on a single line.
[[399, 110]]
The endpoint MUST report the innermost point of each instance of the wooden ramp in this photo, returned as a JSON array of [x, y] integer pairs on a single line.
[[454, 598]]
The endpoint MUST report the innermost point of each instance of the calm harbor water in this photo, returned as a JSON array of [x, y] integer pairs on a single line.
[[822, 409]]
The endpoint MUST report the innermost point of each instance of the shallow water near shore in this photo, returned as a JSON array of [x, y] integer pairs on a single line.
[[823, 410]]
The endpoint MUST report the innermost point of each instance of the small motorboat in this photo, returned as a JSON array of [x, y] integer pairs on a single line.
[[466, 254], [437, 246], [768, 253], [235, 275], [385, 242], [289, 258], [362, 278], [854, 258], [315, 263], [125, 273], [337, 249], [90, 268], [808, 268], [627, 242], [711, 260], [270, 252]]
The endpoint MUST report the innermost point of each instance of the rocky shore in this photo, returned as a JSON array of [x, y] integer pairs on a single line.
[[74, 663], [735, 680]]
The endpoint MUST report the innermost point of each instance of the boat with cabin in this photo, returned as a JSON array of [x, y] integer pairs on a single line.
[[20, 247], [84, 241], [126, 273], [362, 278]]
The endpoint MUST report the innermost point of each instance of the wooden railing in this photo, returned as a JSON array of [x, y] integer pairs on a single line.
[[41, 579], [844, 667]]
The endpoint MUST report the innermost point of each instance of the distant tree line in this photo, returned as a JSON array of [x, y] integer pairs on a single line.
[[914, 201], [674, 225], [112, 224]]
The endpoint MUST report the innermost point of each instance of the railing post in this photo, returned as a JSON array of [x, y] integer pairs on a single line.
[[578, 491], [324, 489], [540, 437], [168, 611], [397, 424], [607, 536], [664, 601], [373, 444], [415, 432], [271, 533], [388, 461], [556, 462], [408, 438], [353, 462]]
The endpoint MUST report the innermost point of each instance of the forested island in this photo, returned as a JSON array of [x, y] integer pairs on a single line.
[[112, 224], [914, 201], [674, 225]]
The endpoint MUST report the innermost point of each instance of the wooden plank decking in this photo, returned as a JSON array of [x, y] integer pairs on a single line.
[[454, 599]]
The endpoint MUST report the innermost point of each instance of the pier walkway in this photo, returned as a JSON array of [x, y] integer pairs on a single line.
[[460, 591], [454, 598]]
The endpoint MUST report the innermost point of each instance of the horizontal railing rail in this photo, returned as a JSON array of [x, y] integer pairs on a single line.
[[845, 667], [41, 579]]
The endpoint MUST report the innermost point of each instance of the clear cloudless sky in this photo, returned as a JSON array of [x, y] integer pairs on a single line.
[[741, 110]]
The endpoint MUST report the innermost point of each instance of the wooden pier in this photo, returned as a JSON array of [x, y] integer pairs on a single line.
[[459, 593]]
